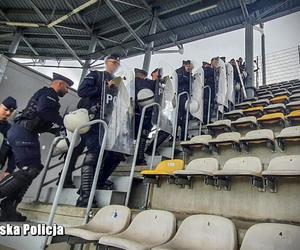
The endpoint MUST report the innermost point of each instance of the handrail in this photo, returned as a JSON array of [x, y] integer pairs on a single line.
[[137, 147], [64, 173], [176, 118]]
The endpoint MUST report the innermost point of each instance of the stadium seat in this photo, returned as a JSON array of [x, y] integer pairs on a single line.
[[281, 92], [267, 96], [257, 137], [261, 102], [294, 97], [240, 166], [293, 105], [243, 105], [279, 99], [244, 122], [234, 114], [225, 139], [220, 125], [287, 135], [150, 228], [294, 117], [272, 236], [198, 141], [265, 92], [202, 231], [275, 108], [197, 167], [274, 118], [164, 169], [108, 220], [294, 89], [255, 111]]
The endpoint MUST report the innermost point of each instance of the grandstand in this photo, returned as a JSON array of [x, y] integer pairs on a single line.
[[233, 185]]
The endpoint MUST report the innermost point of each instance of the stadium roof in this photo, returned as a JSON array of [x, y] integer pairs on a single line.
[[64, 29]]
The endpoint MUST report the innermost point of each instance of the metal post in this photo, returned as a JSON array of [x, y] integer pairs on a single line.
[[15, 43], [209, 103], [263, 57], [175, 120], [249, 60], [137, 148], [148, 52], [65, 169], [47, 163], [86, 66]]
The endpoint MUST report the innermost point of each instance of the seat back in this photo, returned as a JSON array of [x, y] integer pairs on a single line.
[[207, 231], [248, 163], [286, 162], [111, 219], [201, 139], [170, 166], [272, 236], [260, 134], [293, 131], [153, 227], [204, 164], [234, 136]]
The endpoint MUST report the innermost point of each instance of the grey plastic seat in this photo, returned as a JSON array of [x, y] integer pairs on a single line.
[[294, 97], [229, 138], [197, 141], [261, 102], [293, 105], [274, 108], [289, 133], [266, 96], [287, 165], [148, 229], [108, 220], [234, 114], [241, 166], [247, 121], [220, 125], [243, 105], [282, 92], [258, 136], [200, 166], [203, 232], [272, 236]]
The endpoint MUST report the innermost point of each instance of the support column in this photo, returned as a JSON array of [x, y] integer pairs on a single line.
[[15, 43], [249, 60], [148, 51], [86, 65], [263, 56]]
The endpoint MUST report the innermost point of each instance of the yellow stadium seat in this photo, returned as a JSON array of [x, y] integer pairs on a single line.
[[255, 111], [279, 99], [271, 118], [165, 168], [294, 117]]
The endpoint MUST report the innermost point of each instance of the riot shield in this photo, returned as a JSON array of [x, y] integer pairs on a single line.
[[118, 113], [196, 95], [230, 85], [221, 84]]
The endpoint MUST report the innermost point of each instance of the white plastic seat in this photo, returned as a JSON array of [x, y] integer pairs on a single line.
[[287, 165], [294, 97], [108, 220], [293, 105], [247, 121], [289, 133], [200, 166], [197, 141], [243, 105], [230, 138], [148, 229], [258, 136], [241, 166], [220, 125], [234, 114], [274, 108], [261, 102], [272, 236], [203, 232]]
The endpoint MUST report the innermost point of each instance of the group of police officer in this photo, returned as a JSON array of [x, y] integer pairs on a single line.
[[21, 147]]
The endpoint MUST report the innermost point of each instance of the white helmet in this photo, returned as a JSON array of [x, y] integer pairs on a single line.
[[193, 106], [75, 119], [145, 97]]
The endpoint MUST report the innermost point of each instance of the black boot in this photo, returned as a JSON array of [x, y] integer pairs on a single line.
[[141, 157], [9, 212], [68, 180]]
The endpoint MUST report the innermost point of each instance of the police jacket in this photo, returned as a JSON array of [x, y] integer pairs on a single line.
[[183, 80], [41, 112]]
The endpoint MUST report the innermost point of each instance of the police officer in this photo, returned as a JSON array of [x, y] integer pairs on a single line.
[[8, 106], [93, 91], [209, 80], [39, 116], [144, 95], [184, 74]]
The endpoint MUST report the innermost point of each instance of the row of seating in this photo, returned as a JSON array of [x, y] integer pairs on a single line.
[[279, 167], [265, 136], [156, 229]]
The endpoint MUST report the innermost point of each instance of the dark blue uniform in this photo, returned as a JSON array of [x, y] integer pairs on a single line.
[[92, 91], [183, 85], [209, 80], [41, 113], [6, 154]]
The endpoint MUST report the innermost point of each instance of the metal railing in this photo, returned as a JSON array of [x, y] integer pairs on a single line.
[[132, 170], [64, 172]]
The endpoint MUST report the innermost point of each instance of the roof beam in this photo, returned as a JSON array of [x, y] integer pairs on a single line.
[[42, 16], [121, 18]]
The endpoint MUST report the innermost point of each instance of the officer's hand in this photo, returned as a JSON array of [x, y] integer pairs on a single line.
[[110, 83]]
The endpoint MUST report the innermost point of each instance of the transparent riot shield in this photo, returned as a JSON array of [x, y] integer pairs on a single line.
[[230, 85], [197, 94], [118, 113], [165, 94], [221, 84]]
